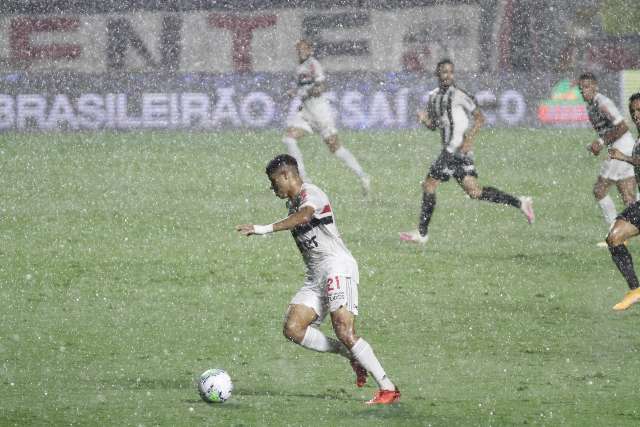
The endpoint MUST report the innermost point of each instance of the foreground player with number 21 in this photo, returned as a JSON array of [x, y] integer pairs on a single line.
[[331, 278]]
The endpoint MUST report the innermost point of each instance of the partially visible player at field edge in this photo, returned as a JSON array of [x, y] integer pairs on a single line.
[[627, 224], [331, 279], [612, 132], [314, 115], [449, 109]]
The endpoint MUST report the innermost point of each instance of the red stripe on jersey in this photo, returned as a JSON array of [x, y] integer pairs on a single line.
[[327, 208]]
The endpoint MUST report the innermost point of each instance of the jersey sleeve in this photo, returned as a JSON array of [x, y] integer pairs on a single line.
[[317, 72], [467, 102], [609, 109]]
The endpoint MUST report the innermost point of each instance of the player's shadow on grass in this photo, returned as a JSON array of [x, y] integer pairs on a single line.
[[327, 395]]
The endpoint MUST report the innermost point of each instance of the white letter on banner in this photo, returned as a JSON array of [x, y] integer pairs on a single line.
[[353, 114], [7, 113], [488, 99], [90, 111], [380, 111], [155, 110], [225, 109], [257, 109], [122, 113], [61, 111], [512, 107], [30, 107], [195, 110], [110, 111], [402, 105]]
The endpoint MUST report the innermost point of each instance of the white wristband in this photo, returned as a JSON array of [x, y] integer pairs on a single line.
[[600, 141], [263, 229]]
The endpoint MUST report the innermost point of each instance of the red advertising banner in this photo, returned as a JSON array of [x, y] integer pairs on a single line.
[[262, 41]]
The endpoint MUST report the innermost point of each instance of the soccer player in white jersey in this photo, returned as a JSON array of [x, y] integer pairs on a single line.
[[612, 132], [449, 109], [627, 224], [331, 279], [314, 115]]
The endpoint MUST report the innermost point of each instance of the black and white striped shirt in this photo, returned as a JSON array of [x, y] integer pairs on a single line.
[[450, 110]]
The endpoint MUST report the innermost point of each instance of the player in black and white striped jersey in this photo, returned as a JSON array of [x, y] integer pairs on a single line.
[[627, 224], [449, 109], [612, 132]]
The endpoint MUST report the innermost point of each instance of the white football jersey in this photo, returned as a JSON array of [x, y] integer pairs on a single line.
[[604, 116], [319, 240], [308, 73]]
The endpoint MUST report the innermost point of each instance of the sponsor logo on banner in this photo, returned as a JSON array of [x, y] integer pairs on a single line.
[[565, 106]]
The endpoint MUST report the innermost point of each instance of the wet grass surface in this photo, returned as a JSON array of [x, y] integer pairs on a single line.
[[122, 279]]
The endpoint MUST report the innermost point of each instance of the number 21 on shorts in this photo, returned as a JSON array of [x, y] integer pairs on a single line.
[[333, 283]]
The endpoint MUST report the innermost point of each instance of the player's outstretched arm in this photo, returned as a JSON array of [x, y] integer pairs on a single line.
[[303, 216], [616, 154], [469, 137], [616, 133]]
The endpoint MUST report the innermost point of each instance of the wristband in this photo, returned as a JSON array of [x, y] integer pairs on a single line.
[[600, 141], [263, 229]]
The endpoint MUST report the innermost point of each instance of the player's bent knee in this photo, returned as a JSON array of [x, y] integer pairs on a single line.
[[616, 237], [293, 332]]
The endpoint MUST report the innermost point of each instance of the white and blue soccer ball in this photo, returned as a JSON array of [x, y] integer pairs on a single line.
[[215, 386]]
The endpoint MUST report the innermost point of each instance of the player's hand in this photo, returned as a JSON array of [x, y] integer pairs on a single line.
[[423, 118], [595, 148], [616, 154], [245, 229]]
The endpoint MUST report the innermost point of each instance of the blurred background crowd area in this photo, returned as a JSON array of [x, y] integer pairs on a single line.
[[125, 64], [483, 35]]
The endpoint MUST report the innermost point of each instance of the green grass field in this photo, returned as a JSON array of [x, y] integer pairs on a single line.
[[122, 278]]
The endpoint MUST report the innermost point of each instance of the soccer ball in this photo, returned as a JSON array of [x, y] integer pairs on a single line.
[[215, 386]]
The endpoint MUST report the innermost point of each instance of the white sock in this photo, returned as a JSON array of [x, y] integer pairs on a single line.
[[363, 353], [315, 340], [608, 209], [294, 151], [349, 160]]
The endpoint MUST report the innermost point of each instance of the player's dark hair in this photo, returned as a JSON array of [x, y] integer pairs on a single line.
[[588, 76], [279, 161], [441, 63]]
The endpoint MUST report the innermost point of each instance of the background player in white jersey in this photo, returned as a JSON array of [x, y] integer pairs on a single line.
[[449, 109], [331, 279], [627, 224], [314, 114], [613, 132]]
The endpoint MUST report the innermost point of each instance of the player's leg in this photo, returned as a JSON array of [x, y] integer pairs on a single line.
[[348, 159], [290, 141], [601, 193], [470, 185], [321, 119], [628, 189], [438, 172], [298, 327], [626, 226], [342, 294]]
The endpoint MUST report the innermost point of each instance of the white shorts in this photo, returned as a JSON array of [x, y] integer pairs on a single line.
[[315, 116], [327, 292], [616, 170]]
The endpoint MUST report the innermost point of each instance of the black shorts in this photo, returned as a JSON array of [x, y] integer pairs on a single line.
[[631, 214], [449, 165]]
